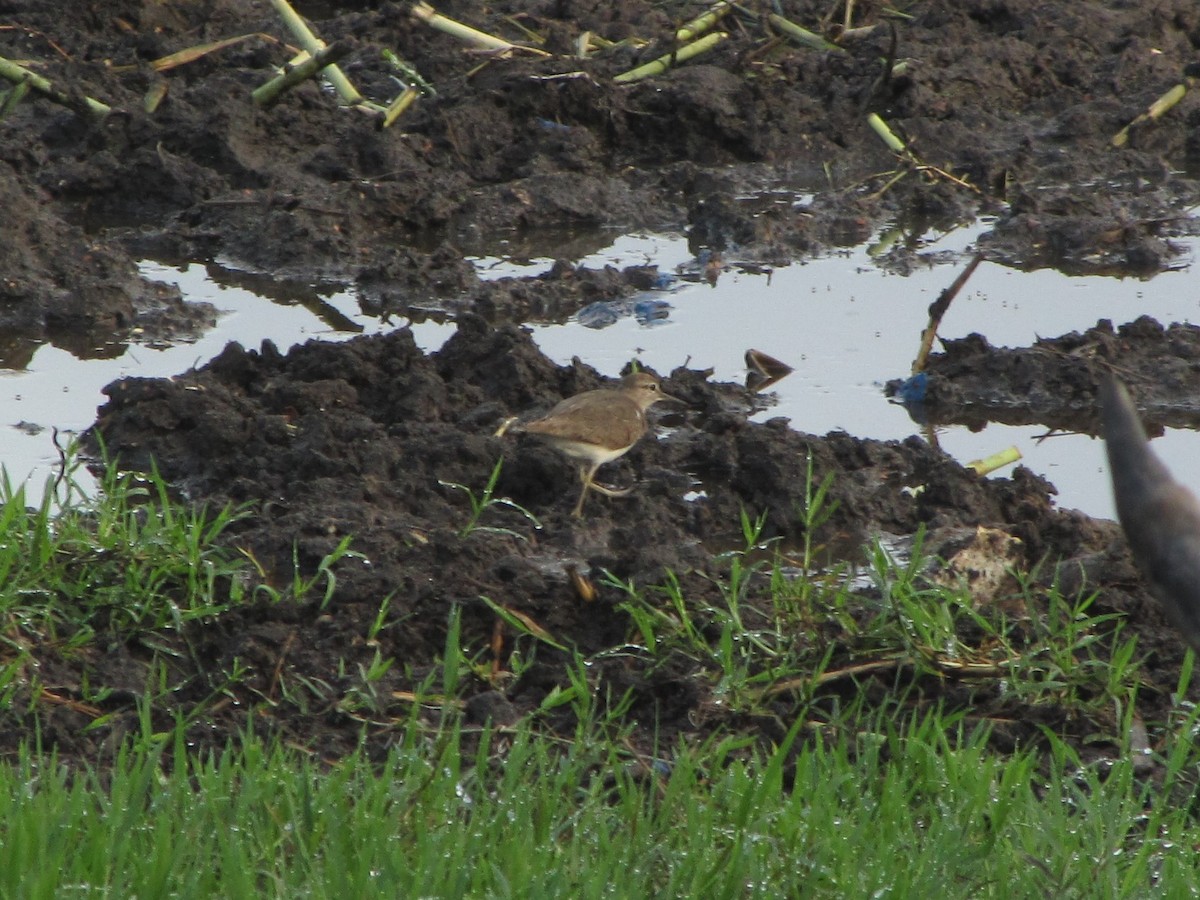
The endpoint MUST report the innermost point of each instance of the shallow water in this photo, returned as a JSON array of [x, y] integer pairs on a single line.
[[57, 389], [845, 325], [849, 327]]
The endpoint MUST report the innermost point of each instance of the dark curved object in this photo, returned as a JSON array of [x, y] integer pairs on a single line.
[[1160, 516]]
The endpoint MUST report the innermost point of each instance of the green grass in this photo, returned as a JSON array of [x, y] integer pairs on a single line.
[[486, 499], [900, 812], [856, 795], [133, 560]]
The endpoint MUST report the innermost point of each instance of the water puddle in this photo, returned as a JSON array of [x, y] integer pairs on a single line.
[[55, 389], [846, 326]]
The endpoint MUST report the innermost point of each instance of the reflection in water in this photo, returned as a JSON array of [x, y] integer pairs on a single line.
[[16, 351]]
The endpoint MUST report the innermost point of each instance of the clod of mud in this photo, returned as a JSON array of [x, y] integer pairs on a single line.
[[1018, 101], [1053, 383], [84, 295], [368, 438]]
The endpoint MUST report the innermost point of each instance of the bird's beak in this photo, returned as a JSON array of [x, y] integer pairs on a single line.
[[664, 397]]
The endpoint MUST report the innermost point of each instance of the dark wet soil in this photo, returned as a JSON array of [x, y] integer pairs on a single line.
[[1009, 108], [1053, 383]]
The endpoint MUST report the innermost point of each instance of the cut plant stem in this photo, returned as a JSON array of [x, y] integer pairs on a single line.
[[434, 19], [888, 136], [314, 46], [701, 24], [397, 107], [802, 35], [937, 309], [446, 25], [990, 464], [660, 65], [1155, 111], [154, 96], [269, 93], [12, 98], [10, 71]]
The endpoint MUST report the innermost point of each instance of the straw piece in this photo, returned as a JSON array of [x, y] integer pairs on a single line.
[[702, 23], [434, 19], [1155, 111], [310, 42], [397, 107], [269, 93], [802, 35], [999, 460], [660, 65], [191, 54], [10, 71]]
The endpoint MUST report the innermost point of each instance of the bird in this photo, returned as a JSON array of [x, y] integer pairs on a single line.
[[596, 427], [1160, 517]]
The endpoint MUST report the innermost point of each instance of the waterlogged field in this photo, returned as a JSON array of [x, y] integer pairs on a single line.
[[318, 631]]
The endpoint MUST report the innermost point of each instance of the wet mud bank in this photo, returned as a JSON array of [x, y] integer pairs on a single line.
[[1009, 110], [371, 439], [1054, 382]]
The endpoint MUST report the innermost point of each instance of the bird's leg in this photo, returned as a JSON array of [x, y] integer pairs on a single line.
[[611, 492], [585, 476]]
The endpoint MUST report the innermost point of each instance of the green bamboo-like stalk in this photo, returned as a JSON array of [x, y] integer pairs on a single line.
[[12, 98], [397, 107], [1155, 111], [269, 93], [446, 25], [998, 460], [702, 23], [434, 19], [660, 65], [310, 42], [888, 136], [802, 35], [10, 71]]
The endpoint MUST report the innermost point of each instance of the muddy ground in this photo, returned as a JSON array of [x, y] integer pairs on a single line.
[[1009, 108]]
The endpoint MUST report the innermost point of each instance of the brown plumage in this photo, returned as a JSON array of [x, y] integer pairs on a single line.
[[1160, 517], [599, 426]]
